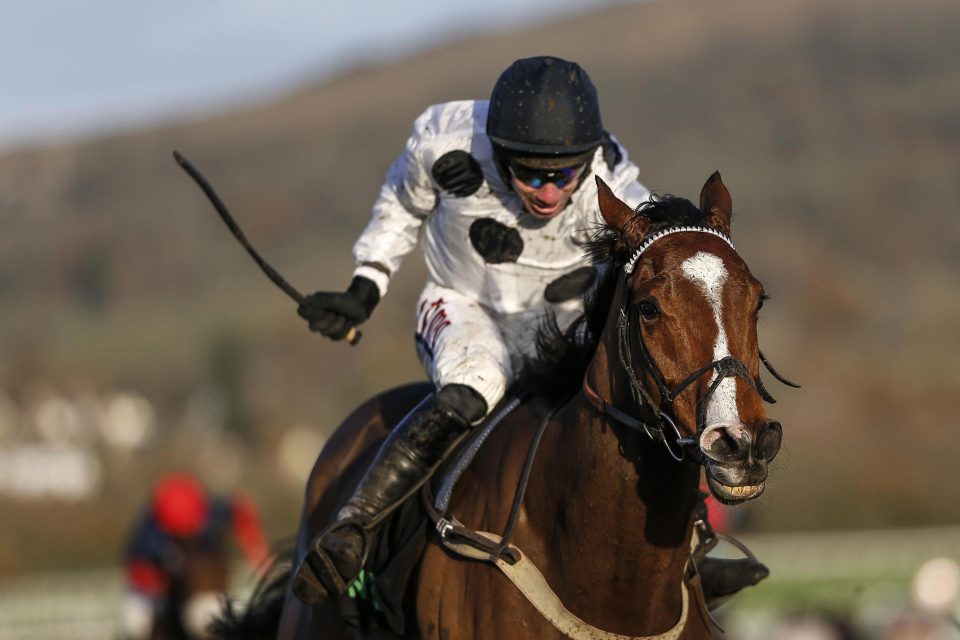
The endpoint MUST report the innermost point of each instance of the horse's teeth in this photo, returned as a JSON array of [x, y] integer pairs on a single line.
[[740, 491]]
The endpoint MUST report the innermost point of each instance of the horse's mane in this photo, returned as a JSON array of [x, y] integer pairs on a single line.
[[260, 616], [557, 371]]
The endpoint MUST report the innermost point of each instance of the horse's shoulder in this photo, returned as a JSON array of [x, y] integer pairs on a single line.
[[488, 485]]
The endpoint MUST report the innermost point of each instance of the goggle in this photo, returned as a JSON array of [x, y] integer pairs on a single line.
[[536, 178]]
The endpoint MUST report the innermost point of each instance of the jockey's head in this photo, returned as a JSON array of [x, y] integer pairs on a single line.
[[544, 125], [180, 505]]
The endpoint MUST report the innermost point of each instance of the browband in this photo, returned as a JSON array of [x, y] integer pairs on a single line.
[[628, 267]]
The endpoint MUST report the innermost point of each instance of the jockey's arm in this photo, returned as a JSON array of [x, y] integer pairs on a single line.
[[623, 174], [406, 198], [635, 193], [143, 559], [249, 532], [146, 577]]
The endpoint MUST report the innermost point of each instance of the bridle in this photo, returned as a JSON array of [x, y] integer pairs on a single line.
[[662, 415]]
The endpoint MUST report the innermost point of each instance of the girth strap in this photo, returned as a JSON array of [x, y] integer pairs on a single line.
[[531, 583]]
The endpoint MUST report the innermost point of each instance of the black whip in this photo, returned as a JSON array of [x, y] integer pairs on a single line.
[[353, 337]]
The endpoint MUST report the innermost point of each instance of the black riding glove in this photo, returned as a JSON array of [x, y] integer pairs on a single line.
[[334, 314]]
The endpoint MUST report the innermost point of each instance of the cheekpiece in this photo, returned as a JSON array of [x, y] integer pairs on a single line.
[[628, 267]]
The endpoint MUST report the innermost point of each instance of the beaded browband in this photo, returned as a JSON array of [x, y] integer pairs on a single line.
[[628, 267]]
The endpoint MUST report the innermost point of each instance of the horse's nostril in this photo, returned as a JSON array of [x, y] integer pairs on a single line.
[[769, 440], [725, 442]]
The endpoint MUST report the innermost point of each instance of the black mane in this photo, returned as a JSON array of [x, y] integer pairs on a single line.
[[561, 360]]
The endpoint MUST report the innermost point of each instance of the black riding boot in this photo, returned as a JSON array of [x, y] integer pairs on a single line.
[[406, 460], [721, 578]]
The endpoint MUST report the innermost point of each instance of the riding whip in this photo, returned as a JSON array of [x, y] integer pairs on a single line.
[[352, 337]]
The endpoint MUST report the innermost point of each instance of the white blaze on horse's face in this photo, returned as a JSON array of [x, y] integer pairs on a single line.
[[708, 272]]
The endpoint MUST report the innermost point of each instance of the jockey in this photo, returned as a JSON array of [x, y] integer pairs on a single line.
[[182, 518], [502, 194]]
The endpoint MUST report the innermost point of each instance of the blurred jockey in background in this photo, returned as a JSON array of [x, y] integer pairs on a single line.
[[175, 561]]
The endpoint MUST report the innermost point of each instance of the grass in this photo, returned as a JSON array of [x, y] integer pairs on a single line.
[[828, 595]]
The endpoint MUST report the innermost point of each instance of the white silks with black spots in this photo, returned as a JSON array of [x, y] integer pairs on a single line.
[[489, 261]]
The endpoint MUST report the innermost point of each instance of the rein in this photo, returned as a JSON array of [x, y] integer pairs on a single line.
[[662, 414]]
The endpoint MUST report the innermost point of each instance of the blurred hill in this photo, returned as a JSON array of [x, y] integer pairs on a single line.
[[836, 127]]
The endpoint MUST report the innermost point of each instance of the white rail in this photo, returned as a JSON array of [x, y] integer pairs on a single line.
[[794, 557], [78, 605], [86, 605]]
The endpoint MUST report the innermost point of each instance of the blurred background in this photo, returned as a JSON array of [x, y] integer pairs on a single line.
[[137, 337]]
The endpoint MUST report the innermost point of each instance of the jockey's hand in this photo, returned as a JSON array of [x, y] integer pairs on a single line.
[[334, 314]]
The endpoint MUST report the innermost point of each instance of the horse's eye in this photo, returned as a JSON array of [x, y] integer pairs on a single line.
[[648, 310], [763, 297]]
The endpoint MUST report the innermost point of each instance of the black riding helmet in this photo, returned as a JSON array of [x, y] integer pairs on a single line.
[[544, 112]]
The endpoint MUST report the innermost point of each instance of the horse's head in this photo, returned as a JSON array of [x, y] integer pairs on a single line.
[[686, 324]]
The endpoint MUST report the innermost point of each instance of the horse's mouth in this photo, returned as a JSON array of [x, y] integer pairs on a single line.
[[734, 495]]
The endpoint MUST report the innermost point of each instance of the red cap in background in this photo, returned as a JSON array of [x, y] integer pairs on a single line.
[[180, 505]]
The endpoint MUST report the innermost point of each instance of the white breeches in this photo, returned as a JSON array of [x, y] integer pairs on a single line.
[[136, 615], [461, 342]]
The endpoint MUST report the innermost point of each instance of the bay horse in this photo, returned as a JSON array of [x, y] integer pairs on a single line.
[[197, 586], [660, 381]]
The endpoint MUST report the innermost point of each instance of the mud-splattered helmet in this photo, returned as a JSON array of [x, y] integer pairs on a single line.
[[545, 109]]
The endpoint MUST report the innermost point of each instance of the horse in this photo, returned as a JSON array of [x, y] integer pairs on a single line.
[[176, 560], [198, 583], [658, 383]]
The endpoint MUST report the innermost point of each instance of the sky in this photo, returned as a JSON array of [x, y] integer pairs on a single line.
[[79, 67]]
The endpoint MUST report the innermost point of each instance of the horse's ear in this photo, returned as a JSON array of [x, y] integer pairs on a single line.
[[716, 203], [615, 212]]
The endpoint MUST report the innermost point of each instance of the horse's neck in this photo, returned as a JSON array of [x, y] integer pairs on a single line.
[[622, 506], [659, 487]]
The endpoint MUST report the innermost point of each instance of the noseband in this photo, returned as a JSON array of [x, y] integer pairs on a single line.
[[662, 415]]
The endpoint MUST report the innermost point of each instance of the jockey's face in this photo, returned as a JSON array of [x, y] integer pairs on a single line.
[[545, 193]]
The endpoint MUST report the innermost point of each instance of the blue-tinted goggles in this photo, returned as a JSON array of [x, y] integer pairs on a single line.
[[536, 178]]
